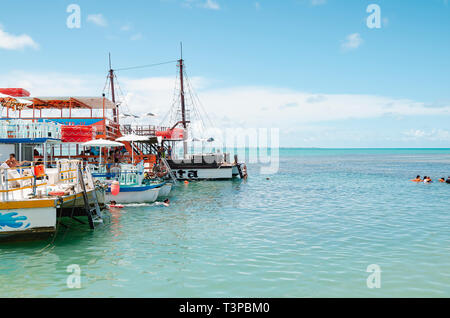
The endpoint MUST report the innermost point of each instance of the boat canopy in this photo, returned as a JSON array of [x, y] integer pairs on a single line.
[[15, 92], [69, 102]]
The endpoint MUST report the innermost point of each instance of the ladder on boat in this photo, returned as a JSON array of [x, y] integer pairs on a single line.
[[171, 174], [94, 214], [241, 174]]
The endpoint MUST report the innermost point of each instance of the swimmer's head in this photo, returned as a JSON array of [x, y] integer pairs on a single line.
[[166, 201]]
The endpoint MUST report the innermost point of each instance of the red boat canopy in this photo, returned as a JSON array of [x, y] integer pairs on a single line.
[[15, 92], [78, 134], [171, 134]]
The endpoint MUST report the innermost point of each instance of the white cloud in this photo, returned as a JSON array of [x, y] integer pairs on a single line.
[[136, 37], [205, 4], [97, 19], [211, 4], [125, 28], [430, 134], [250, 106], [353, 41], [16, 42], [53, 83]]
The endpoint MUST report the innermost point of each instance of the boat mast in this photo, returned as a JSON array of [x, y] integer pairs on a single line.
[[183, 104], [113, 95]]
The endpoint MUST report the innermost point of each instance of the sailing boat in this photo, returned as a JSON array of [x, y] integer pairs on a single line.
[[194, 166], [135, 184]]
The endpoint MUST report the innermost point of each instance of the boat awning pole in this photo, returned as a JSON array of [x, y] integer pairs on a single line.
[[100, 158], [45, 154]]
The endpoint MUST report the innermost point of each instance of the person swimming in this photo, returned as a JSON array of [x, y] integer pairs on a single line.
[[417, 179], [166, 202], [448, 180], [113, 205], [427, 180], [442, 180]]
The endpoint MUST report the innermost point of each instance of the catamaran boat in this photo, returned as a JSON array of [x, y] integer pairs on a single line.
[[185, 166]]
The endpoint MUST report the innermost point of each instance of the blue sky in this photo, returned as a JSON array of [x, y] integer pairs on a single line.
[[286, 64]]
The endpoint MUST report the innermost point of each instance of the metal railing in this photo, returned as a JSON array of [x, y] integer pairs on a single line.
[[142, 130], [22, 129]]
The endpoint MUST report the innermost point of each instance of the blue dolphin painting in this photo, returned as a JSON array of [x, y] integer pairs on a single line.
[[12, 220]]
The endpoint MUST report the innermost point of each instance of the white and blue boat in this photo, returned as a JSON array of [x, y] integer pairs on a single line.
[[134, 187]]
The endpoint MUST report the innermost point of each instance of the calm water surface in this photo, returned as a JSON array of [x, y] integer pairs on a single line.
[[309, 231]]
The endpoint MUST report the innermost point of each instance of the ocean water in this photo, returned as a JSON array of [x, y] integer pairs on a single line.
[[311, 230]]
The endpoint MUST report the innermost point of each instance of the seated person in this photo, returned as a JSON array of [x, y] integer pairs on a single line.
[[94, 151], [13, 163]]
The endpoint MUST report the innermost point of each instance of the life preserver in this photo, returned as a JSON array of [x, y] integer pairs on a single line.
[[115, 188]]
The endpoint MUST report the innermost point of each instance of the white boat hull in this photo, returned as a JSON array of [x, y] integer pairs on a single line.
[[149, 195], [204, 173], [165, 190], [17, 221]]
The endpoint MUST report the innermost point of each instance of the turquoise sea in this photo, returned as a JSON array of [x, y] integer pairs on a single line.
[[311, 230]]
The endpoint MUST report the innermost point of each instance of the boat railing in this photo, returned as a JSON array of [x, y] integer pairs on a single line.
[[22, 129], [126, 174], [142, 130], [37, 181]]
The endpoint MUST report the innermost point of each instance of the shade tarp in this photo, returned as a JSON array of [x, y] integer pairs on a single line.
[[70, 102], [135, 138], [7, 100], [102, 143]]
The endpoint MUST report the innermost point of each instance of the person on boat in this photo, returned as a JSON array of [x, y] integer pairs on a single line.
[[94, 151], [169, 153], [109, 164], [13, 163], [117, 156], [442, 180], [244, 172], [159, 153], [417, 179]]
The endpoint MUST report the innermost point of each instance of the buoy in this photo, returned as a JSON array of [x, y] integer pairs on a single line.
[[186, 182], [115, 188]]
